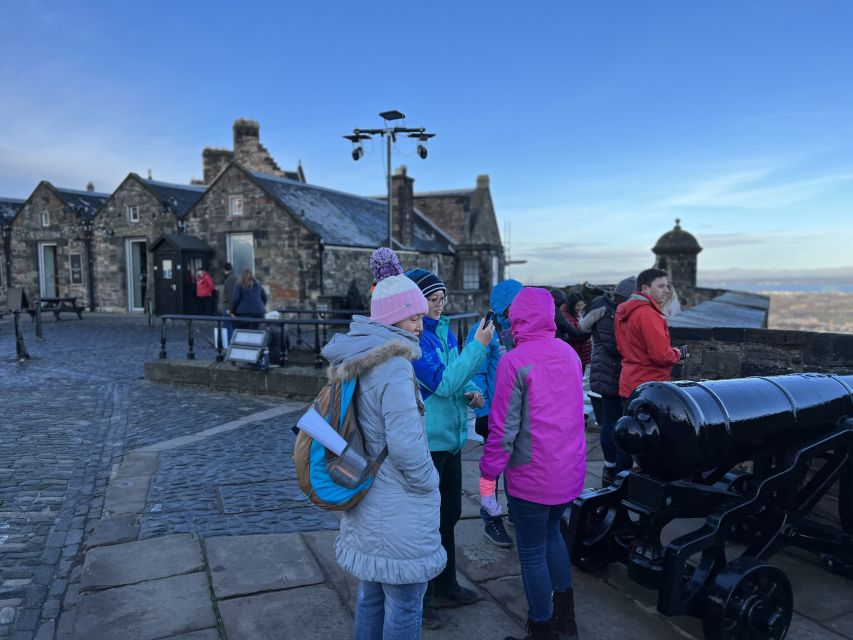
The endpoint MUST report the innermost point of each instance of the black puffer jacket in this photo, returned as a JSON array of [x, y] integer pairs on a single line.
[[606, 362]]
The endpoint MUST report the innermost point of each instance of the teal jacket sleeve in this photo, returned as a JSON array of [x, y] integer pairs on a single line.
[[459, 372]]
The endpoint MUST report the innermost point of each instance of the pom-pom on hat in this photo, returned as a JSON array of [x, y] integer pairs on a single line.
[[395, 297], [428, 282]]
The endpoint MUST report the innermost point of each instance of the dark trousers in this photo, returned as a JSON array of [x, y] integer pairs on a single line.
[[611, 411], [449, 467]]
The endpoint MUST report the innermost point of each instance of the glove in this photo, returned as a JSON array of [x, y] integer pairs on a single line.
[[591, 318], [488, 499]]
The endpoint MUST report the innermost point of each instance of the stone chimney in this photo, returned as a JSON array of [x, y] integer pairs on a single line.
[[246, 133], [249, 151], [483, 182], [403, 207], [214, 161], [90, 187]]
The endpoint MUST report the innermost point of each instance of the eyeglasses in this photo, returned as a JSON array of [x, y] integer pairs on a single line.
[[438, 302]]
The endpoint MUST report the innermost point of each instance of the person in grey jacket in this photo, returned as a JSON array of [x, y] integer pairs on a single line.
[[228, 286], [390, 539]]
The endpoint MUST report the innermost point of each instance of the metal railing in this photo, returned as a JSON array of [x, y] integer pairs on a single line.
[[308, 332]]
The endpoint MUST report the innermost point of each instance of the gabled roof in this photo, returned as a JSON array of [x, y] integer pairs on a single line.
[[731, 309], [85, 203], [183, 242], [9, 208], [178, 198]]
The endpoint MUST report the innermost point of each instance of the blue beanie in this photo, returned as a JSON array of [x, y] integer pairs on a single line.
[[427, 281]]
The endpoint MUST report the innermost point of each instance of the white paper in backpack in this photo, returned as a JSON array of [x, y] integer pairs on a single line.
[[316, 426]]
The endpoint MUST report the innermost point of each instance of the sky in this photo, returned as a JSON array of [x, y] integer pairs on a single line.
[[598, 123]]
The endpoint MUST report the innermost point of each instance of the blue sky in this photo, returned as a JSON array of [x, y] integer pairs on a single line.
[[598, 122]]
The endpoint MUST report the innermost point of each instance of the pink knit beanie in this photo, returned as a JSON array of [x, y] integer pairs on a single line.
[[395, 297]]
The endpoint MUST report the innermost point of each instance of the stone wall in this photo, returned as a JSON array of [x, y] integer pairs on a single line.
[[112, 229], [64, 230], [734, 353], [287, 255]]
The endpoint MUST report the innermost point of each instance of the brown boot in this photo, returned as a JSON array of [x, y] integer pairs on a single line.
[[564, 614], [537, 631]]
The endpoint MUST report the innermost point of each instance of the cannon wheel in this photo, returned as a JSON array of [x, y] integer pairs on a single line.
[[748, 600]]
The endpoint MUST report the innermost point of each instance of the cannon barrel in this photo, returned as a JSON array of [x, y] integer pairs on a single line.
[[675, 429]]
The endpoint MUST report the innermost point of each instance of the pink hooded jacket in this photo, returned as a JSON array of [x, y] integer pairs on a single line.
[[536, 422]]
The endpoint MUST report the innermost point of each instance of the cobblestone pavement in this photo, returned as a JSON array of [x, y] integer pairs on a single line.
[[67, 415]]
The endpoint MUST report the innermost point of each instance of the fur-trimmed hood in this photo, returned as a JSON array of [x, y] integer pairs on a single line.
[[366, 345]]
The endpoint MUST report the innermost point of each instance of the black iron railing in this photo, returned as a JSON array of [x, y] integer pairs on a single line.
[[293, 332]]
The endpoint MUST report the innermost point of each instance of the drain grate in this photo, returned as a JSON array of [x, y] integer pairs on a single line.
[[251, 497]]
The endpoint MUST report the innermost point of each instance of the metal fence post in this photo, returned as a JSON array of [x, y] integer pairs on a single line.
[[219, 356], [190, 341], [20, 347], [163, 338]]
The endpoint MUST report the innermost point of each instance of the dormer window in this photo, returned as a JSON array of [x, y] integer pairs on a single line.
[[133, 214], [235, 205], [45, 218]]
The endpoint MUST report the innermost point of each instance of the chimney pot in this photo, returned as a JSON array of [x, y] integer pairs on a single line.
[[483, 181]]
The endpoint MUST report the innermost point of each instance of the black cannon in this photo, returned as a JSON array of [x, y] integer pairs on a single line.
[[749, 458]]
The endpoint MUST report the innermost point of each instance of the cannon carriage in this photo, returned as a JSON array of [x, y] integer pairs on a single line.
[[746, 461]]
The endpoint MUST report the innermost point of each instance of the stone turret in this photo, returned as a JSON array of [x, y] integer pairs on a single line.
[[676, 252]]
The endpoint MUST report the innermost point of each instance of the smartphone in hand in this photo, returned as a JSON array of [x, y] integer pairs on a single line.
[[488, 318]]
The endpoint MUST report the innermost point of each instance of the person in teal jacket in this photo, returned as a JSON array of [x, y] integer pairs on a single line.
[[444, 377]]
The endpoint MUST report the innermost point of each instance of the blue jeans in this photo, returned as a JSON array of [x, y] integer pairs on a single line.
[[542, 553], [611, 411], [389, 611]]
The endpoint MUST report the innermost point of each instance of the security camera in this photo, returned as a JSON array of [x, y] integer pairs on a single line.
[[357, 152], [422, 151]]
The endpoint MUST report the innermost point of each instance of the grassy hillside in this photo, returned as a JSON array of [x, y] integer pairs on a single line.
[[811, 311]]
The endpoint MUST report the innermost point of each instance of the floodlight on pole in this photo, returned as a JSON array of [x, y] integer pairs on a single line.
[[390, 135]]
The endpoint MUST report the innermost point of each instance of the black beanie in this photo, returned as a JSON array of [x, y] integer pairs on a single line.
[[427, 281]]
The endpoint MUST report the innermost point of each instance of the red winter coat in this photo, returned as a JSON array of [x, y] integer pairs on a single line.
[[642, 337], [204, 286]]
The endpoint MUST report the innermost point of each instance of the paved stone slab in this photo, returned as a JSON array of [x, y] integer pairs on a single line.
[[250, 564], [322, 544], [804, 629], [134, 562], [843, 625], [126, 495], [123, 528], [818, 594], [155, 609], [478, 558], [204, 634], [483, 620], [306, 613], [137, 464]]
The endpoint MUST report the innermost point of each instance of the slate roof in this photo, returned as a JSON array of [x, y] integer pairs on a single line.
[[178, 198], [344, 219], [9, 208], [445, 194], [182, 242], [84, 203], [731, 309]]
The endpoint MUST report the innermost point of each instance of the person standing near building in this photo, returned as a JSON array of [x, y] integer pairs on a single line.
[[228, 286], [500, 299], [204, 290], [536, 438], [642, 335], [249, 299], [605, 366], [444, 376]]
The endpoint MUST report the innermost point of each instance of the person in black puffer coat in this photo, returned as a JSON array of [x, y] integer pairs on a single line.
[[604, 372]]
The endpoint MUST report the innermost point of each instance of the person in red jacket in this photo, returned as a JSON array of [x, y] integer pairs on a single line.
[[642, 335], [204, 292]]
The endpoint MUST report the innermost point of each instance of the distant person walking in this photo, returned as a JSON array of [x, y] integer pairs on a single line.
[[204, 290], [642, 335], [536, 437], [249, 299], [605, 366], [390, 540]]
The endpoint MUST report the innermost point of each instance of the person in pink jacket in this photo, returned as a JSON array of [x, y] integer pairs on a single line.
[[536, 438]]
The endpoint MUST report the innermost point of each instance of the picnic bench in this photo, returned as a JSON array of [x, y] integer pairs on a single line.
[[57, 306]]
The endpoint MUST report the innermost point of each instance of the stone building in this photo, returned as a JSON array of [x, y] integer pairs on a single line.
[[248, 151], [51, 243], [676, 252], [132, 218], [307, 244], [9, 208]]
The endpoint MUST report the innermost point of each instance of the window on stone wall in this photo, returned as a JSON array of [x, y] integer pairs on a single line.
[[470, 274], [496, 266], [133, 214], [45, 218], [434, 265], [240, 252], [235, 205]]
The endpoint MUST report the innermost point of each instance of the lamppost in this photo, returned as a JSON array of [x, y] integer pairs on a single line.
[[87, 225], [390, 134]]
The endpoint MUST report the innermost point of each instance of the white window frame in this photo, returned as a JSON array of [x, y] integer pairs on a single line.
[[45, 218], [229, 256], [42, 280], [435, 265], [466, 281], [496, 267], [132, 213], [235, 205]]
